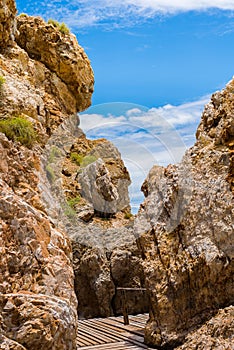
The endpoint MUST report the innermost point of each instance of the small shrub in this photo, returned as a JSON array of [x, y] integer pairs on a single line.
[[76, 158], [23, 15], [19, 129], [88, 160], [72, 202], [81, 160], [2, 81], [53, 22], [61, 26], [54, 153], [68, 211], [128, 216], [64, 29], [50, 174]]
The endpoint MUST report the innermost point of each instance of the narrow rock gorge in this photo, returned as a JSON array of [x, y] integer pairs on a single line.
[[68, 238]]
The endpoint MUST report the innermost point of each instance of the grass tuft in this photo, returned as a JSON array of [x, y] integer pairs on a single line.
[[61, 26], [19, 129]]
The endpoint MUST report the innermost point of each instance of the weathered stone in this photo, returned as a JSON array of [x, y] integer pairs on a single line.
[[93, 283], [8, 344], [38, 305], [102, 178], [217, 333], [98, 189], [185, 230], [105, 255], [60, 53], [85, 213], [7, 23]]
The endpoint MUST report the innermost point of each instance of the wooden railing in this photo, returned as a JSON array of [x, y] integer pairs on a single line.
[[124, 301]]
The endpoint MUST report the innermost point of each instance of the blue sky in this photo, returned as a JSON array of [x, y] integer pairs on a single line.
[[167, 56]]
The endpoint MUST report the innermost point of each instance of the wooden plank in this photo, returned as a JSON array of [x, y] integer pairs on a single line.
[[100, 326], [121, 327], [113, 346], [128, 336], [132, 323], [88, 338], [111, 333], [99, 334]]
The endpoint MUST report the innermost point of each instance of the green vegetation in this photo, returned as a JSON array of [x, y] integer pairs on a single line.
[[19, 129], [72, 202], [61, 26], [68, 211], [128, 216], [2, 81], [81, 160], [70, 206], [54, 153], [88, 160], [76, 158], [50, 174], [22, 15]]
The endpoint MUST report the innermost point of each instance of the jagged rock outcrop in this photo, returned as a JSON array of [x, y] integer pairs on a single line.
[[38, 305], [7, 23], [60, 53], [95, 171], [185, 231]]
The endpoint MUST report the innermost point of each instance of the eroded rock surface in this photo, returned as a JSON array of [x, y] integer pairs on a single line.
[[7, 23], [38, 305], [60, 53], [105, 254], [95, 171], [217, 333], [185, 229]]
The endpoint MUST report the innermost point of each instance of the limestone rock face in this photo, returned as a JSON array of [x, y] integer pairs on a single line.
[[38, 305], [60, 53], [95, 171], [36, 275], [217, 333], [185, 230], [98, 188], [46, 92], [105, 254], [114, 262], [7, 23]]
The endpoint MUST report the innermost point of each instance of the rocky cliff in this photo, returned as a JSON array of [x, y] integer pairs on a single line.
[[65, 221], [185, 230], [38, 305]]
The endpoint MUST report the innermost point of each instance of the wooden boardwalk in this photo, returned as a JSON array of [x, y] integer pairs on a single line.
[[111, 333]]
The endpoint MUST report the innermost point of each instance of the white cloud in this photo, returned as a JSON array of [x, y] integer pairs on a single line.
[[84, 13], [144, 138]]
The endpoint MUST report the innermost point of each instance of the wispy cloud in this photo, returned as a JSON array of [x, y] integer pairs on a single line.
[[124, 13], [145, 137]]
